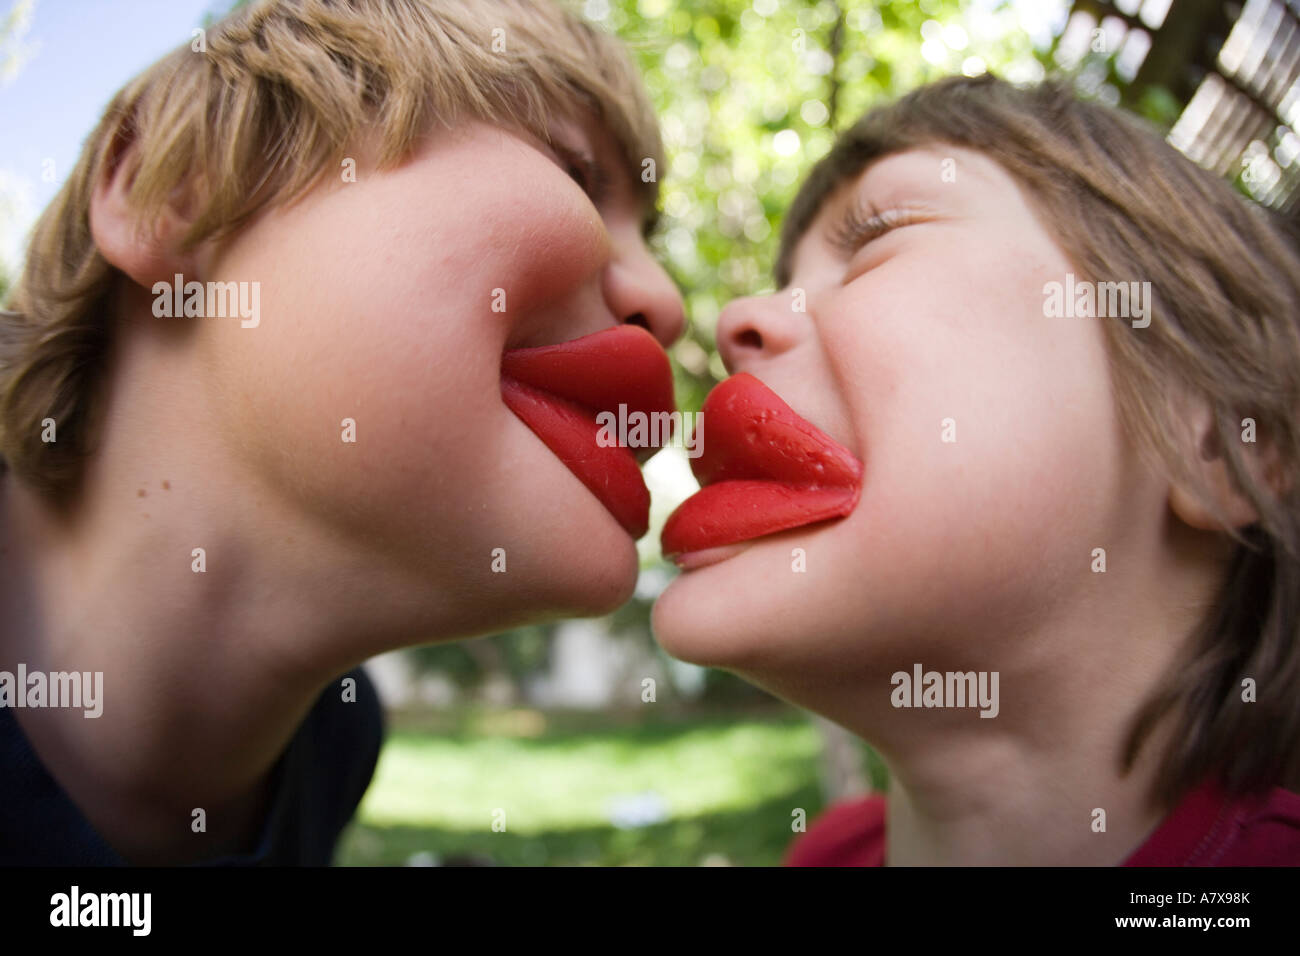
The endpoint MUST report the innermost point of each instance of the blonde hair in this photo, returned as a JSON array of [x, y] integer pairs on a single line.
[[282, 91], [1226, 330]]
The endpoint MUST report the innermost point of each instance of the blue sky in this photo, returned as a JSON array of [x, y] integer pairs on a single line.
[[80, 53]]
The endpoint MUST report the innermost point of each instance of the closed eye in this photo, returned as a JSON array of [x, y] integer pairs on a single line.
[[864, 223]]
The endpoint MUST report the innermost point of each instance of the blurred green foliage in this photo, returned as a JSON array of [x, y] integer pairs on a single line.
[[720, 788], [517, 653], [750, 93], [13, 28]]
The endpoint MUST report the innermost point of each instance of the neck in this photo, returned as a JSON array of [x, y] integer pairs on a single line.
[[1023, 796], [209, 665], [1024, 787]]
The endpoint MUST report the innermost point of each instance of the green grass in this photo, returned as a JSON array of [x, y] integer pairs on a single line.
[[728, 785]]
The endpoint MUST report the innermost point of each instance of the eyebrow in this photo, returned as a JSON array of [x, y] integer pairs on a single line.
[[896, 179]]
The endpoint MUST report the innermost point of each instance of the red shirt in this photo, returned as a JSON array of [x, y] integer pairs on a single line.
[[1206, 829]]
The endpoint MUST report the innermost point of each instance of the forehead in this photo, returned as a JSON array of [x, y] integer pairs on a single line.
[[939, 178]]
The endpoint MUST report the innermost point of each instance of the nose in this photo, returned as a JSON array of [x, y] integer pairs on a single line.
[[640, 292], [756, 327]]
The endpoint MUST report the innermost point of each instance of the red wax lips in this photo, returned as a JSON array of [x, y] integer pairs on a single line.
[[558, 390], [763, 469]]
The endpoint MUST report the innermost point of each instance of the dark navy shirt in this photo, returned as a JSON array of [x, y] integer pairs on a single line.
[[316, 786]]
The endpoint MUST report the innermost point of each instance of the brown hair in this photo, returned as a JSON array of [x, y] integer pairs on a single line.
[[1225, 287], [260, 108]]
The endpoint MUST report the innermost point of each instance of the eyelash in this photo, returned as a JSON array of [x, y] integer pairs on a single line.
[[586, 172], [865, 223]]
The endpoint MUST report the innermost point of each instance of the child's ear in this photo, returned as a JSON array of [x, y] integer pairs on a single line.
[[1197, 507], [148, 252]]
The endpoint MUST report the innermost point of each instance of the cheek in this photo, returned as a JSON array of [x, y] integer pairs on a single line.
[[994, 451], [541, 247], [380, 304], [510, 232], [357, 323]]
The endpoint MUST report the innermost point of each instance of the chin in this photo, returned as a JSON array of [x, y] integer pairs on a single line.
[[750, 613], [591, 584], [609, 584], [590, 574], [695, 620]]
